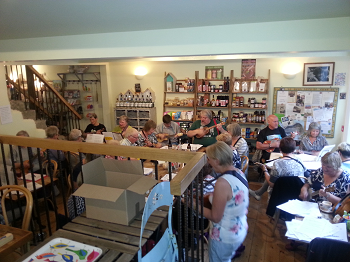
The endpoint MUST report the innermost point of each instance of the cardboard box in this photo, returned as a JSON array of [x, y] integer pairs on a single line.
[[114, 190]]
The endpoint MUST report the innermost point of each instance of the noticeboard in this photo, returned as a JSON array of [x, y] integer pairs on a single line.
[[297, 107]]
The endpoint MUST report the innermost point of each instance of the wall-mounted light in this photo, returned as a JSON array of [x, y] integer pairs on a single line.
[[290, 69], [140, 72]]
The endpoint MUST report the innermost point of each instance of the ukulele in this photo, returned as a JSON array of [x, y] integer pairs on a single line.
[[269, 150], [167, 136], [328, 189], [206, 130]]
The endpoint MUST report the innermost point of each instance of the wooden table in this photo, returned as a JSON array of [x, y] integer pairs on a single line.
[[20, 238], [118, 242]]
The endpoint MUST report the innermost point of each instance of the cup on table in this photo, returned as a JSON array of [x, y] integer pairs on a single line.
[[326, 205]]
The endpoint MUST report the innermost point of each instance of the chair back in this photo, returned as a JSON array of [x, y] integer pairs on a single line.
[[244, 163], [285, 189], [29, 203], [325, 250], [166, 249], [53, 167]]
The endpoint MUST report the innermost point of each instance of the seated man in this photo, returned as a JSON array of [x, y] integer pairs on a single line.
[[166, 129], [25, 157], [205, 130]]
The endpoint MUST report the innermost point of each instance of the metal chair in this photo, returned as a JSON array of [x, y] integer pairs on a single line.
[[166, 249], [29, 203], [244, 163]]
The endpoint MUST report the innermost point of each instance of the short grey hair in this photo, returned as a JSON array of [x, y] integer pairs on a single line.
[[313, 126], [220, 151], [332, 159], [51, 131], [130, 132], [208, 113], [234, 129], [22, 133], [344, 149], [74, 134]]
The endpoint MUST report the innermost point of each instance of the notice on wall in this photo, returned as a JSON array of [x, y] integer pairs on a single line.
[[296, 108], [5, 115]]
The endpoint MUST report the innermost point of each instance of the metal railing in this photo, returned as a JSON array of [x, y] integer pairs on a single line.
[[26, 84], [186, 186]]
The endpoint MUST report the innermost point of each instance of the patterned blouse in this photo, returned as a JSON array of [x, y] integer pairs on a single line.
[[285, 167], [341, 183], [233, 226], [142, 141], [242, 147], [319, 143]]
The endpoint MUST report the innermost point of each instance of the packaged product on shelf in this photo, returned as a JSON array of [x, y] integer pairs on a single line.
[[262, 87], [236, 86], [252, 86], [244, 86]]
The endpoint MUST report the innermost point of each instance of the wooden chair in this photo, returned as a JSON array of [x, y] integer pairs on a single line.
[[29, 203], [244, 163], [46, 167]]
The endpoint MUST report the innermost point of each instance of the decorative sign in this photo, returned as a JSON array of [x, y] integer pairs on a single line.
[[248, 68], [214, 72]]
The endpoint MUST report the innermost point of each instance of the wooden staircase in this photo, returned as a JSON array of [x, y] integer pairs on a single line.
[[37, 99]]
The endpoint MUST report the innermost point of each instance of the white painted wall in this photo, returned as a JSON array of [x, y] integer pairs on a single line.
[[18, 123]]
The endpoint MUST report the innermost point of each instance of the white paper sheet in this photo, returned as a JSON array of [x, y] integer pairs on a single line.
[[5, 114], [95, 138]]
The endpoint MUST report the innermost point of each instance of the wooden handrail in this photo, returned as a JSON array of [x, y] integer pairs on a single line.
[[194, 161], [63, 100]]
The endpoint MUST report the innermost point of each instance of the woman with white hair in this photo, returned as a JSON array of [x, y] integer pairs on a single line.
[[313, 141], [344, 153]]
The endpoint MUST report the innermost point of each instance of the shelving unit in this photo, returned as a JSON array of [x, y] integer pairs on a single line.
[[179, 101], [137, 116], [86, 85]]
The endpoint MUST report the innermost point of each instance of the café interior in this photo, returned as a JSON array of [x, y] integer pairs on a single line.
[[164, 40]]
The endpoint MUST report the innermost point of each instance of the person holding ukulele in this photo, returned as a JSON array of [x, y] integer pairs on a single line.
[[168, 130], [205, 130]]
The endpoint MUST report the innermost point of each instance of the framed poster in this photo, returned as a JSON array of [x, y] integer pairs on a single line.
[[297, 107], [318, 74], [248, 68]]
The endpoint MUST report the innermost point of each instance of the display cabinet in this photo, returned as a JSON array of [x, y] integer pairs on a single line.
[[137, 116]]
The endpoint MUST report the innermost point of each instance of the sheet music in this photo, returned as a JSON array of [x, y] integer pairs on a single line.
[[95, 138]]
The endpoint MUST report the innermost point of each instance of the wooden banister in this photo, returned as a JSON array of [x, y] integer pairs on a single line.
[[194, 161], [63, 100]]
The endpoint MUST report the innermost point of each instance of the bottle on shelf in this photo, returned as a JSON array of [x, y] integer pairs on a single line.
[[132, 103], [117, 103], [213, 101], [188, 147]]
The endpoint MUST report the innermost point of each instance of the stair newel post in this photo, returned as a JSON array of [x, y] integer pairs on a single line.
[[30, 87]]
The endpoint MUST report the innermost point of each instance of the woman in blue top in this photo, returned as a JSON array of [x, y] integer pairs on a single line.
[[229, 201], [344, 153]]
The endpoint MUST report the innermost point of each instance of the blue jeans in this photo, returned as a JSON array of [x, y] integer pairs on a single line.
[[219, 251]]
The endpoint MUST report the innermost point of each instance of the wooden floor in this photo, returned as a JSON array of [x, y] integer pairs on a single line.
[[260, 246]]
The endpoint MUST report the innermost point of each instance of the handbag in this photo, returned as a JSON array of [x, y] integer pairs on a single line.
[[257, 156]]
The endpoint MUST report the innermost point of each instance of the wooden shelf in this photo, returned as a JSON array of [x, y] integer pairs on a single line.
[[178, 106], [247, 93], [213, 93], [179, 92], [179, 120], [225, 107], [250, 108]]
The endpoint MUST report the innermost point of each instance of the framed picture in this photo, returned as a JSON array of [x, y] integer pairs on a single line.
[[248, 68], [318, 74]]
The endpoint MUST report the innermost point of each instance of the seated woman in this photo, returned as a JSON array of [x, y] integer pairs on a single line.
[[344, 153], [285, 166], [227, 138], [95, 127], [229, 201], [329, 175], [147, 136], [123, 125], [313, 141], [238, 142]]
